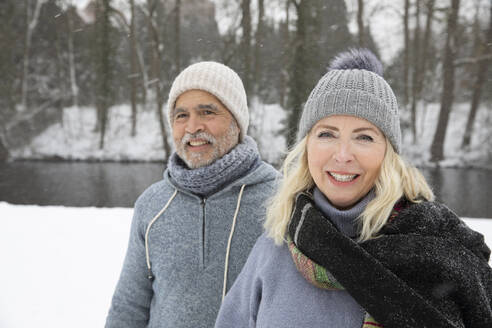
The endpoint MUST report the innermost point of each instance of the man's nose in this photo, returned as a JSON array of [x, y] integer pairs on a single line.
[[194, 125], [343, 152]]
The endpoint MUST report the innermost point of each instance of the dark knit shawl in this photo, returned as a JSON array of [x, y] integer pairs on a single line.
[[426, 269]]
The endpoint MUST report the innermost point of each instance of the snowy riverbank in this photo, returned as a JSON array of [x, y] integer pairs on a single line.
[[76, 139], [60, 264]]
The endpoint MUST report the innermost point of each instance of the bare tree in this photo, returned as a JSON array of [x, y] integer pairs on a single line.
[[133, 68], [447, 96], [258, 44], [137, 64], [360, 23], [157, 59], [421, 54], [177, 25], [71, 56], [246, 44], [406, 51], [284, 74], [31, 23], [298, 78], [416, 70], [484, 47], [103, 66]]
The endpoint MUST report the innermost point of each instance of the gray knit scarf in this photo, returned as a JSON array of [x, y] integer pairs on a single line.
[[204, 181]]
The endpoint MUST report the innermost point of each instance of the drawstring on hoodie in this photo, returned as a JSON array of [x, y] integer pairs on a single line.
[[150, 276], [226, 264]]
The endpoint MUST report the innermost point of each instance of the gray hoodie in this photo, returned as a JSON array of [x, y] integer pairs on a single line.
[[187, 249]]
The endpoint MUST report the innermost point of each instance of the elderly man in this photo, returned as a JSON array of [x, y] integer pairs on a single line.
[[192, 232]]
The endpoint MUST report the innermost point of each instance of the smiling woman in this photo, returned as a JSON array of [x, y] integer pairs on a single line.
[[345, 154], [353, 237]]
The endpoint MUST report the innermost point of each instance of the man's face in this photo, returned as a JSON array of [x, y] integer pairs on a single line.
[[203, 129]]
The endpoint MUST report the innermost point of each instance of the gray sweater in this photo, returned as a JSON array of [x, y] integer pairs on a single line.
[[270, 291], [187, 247]]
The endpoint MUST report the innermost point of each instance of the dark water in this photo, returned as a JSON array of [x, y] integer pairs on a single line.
[[76, 183], [466, 191]]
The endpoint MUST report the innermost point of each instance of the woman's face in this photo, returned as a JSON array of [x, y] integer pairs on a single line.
[[345, 154]]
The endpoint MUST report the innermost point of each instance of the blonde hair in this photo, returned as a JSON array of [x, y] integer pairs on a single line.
[[396, 179]]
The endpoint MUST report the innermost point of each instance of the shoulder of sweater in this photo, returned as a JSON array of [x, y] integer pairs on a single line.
[[263, 174], [434, 219], [265, 251], [159, 189], [151, 200]]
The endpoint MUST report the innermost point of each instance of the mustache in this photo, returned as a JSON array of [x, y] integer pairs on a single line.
[[199, 135]]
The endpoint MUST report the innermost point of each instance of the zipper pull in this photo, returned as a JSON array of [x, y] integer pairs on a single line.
[[150, 276]]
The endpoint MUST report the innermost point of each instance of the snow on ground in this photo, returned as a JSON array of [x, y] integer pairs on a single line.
[[60, 265]]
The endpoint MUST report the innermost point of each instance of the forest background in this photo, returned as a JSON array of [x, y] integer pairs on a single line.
[[101, 70]]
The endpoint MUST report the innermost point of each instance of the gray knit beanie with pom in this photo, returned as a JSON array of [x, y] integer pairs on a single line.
[[354, 86]]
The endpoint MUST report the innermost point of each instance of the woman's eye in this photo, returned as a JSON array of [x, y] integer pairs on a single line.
[[365, 137], [325, 134]]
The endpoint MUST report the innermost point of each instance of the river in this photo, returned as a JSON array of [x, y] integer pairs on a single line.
[[465, 191]]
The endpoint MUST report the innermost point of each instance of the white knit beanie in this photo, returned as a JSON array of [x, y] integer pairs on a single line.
[[220, 81]]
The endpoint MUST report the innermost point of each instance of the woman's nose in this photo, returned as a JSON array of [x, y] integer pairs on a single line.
[[343, 152]]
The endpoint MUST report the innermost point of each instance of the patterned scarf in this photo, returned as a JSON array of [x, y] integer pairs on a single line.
[[205, 180], [322, 278]]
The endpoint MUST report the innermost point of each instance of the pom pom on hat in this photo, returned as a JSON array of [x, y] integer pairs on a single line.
[[357, 59]]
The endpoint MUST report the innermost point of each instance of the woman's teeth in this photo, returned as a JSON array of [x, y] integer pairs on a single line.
[[343, 177]]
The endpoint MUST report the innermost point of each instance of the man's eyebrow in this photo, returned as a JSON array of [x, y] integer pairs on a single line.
[[179, 110], [207, 106]]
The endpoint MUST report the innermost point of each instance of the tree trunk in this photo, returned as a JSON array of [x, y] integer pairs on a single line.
[[177, 25], [31, 23], [406, 50], [360, 23], [297, 79], [416, 70], [133, 69], [246, 44], [284, 74], [143, 72], [258, 45], [447, 97], [156, 70], [103, 64], [425, 51], [482, 68], [71, 57], [4, 153]]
